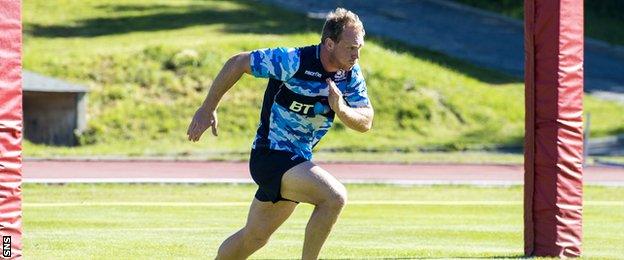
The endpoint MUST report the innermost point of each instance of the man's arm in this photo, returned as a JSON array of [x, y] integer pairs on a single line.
[[359, 119], [227, 77], [206, 115]]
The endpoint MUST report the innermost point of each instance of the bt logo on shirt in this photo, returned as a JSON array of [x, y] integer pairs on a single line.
[[317, 109], [297, 107]]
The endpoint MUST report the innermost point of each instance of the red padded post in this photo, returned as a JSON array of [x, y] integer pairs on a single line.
[[554, 127], [10, 128]]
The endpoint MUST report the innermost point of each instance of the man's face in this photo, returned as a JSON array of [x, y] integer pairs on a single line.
[[347, 51]]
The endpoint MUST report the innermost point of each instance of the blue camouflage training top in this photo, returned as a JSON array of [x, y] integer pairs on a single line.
[[295, 112]]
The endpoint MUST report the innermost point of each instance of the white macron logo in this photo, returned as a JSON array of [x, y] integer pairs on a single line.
[[313, 73]]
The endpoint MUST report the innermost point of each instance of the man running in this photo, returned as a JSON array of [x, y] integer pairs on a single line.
[[308, 87]]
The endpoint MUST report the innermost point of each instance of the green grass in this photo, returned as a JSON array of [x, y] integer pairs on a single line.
[[145, 87], [81, 221], [603, 20]]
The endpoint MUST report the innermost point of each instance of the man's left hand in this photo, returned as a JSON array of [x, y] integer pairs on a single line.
[[335, 96]]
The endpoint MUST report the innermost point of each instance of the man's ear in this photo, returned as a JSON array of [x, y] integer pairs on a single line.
[[329, 43]]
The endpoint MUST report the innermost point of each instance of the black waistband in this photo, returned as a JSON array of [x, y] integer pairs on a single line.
[[303, 105]]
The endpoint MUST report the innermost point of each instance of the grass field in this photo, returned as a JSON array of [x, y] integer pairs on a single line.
[[132, 55], [104, 221]]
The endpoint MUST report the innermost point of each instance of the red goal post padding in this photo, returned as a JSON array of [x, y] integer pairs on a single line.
[[10, 128], [554, 135]]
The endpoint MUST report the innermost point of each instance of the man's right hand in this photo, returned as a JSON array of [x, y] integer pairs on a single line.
[[202, 119]]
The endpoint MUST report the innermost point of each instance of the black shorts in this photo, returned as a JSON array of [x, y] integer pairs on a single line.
[[267, 168]]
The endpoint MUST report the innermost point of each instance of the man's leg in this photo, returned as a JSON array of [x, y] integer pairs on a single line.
[[263, 219], [309, 183]]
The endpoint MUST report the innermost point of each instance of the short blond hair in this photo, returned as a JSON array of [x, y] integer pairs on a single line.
[[337, 21]]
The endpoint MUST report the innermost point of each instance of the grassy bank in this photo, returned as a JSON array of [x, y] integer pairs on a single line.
[[149, 64]]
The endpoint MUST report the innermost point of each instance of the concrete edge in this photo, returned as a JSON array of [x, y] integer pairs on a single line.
[[478, 11], [605, 46], [135, 180], [608, 164], [249, 181], [123, 159], [191, 160], [598, 164], [477, 183], [589, 42]]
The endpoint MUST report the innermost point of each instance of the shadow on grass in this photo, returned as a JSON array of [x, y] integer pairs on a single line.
[[250, 17]]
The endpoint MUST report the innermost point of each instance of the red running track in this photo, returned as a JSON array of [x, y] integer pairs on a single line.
[[126, 171]]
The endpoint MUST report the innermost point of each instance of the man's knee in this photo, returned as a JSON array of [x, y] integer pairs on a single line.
[[337, 197], [255, 236]]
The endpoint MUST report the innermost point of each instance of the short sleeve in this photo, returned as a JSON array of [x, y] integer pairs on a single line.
[[277, 63], [355, 93]]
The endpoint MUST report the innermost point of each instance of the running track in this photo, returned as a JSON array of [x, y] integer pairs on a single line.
[[143, 171]]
